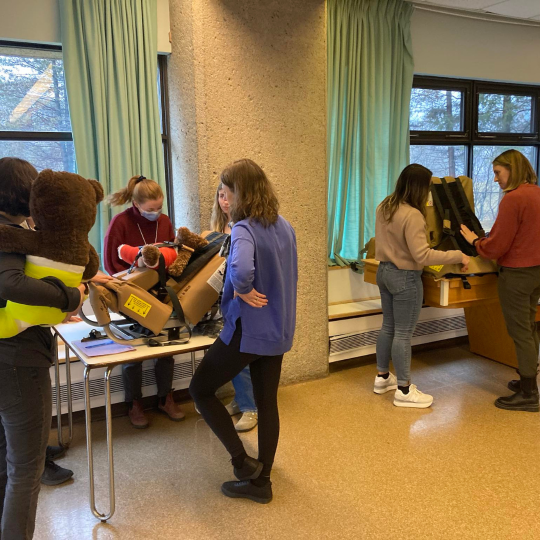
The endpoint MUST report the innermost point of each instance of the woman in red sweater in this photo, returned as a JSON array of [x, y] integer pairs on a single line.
[[141, 224], [514, 241]]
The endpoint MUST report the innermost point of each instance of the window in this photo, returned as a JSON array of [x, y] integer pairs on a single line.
[[459, 126], [34, 114], [435, 109]]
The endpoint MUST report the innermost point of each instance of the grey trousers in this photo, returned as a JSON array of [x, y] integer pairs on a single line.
[[132, 377], [25, 422], [519, 291]]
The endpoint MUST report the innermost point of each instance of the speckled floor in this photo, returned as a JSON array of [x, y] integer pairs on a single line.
[[350, 465]]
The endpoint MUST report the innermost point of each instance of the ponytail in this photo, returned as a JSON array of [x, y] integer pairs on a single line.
[[139, 189]]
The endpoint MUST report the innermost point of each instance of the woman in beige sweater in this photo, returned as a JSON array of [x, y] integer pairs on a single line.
[[402, 248]]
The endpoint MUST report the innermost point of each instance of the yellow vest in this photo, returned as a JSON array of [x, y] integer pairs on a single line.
[[15, 318]]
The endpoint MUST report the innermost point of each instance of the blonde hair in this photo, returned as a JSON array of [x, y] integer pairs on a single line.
[[139, 189], [254, 195], [521, 171], [219, 220]]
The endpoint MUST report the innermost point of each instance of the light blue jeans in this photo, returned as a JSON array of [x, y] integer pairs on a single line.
[[401, 299], [243, 388]]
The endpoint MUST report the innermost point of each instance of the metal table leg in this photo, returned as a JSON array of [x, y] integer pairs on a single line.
[[193, 360], [61, 441], [193, 363], [108, 421]]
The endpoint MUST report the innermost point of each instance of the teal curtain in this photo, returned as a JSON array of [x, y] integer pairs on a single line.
[[370, 73], [110, 64]]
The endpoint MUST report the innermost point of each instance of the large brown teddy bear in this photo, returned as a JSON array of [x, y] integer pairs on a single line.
[[63, 206]]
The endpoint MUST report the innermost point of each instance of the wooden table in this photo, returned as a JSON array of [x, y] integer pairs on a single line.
[[485, 322], [72, 332]]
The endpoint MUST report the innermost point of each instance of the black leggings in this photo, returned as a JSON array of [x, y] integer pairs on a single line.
[[220, 364]]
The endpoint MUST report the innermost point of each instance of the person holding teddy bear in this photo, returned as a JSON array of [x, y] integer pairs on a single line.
[[26, 353], [142, 224]]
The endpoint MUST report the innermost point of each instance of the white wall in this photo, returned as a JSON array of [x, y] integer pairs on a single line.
[[163, 27], [453, 46], [38, 21], [344, 286]]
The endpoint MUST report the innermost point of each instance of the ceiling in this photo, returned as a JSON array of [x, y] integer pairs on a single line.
[[521, 9]]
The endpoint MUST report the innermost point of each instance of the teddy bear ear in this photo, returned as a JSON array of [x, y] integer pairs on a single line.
[[98, 189]]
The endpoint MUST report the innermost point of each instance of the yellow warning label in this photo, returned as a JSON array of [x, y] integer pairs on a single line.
[[137, 305], [437, 268]]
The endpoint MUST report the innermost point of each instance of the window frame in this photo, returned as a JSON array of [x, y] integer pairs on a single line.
[[469, 136], [454, 85], [34, 135], [68, 135]]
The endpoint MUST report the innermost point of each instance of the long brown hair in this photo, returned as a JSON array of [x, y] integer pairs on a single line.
[[219, 220], [16, 179], [412, 187], [139, 189], [254, 195], [521, 171]]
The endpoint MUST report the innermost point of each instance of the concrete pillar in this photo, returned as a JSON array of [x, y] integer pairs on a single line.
[[247, 78]]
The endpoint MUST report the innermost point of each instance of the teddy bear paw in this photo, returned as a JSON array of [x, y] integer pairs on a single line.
[[150, 256], [190, 239]]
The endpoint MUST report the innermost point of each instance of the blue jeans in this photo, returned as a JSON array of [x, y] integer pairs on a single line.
[[401, 299], [243, 388], [25, 421]]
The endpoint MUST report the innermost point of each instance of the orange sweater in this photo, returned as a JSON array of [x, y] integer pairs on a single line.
[[514, 239]]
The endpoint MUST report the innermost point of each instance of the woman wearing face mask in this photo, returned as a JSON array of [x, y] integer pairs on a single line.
[[143, 223], [514, 241]]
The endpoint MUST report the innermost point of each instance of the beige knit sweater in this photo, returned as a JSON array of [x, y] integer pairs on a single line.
[[403, 241]]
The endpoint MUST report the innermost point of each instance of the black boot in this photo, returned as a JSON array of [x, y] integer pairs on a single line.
[[514, 385], [524, 400]]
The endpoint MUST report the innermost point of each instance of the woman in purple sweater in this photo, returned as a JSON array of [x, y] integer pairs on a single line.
[[259, 310]]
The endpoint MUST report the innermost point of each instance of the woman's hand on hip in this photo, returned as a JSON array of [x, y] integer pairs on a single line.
[[253, 298]]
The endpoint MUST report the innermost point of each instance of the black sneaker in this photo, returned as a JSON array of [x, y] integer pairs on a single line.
[[250, 470], [53, 475], [247, 490], [55, 452]]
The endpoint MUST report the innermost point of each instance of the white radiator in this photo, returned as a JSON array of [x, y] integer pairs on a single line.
[[183, 372], [357, 336]]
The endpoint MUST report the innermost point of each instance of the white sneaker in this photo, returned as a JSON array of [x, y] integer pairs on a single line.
[[414, 398], [247, 421], [383, 385], [232, 408]]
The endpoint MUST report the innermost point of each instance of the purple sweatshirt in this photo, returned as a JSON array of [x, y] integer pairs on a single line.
[[264, 259]]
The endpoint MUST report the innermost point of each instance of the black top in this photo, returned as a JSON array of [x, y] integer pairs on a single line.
[[34, 346]]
